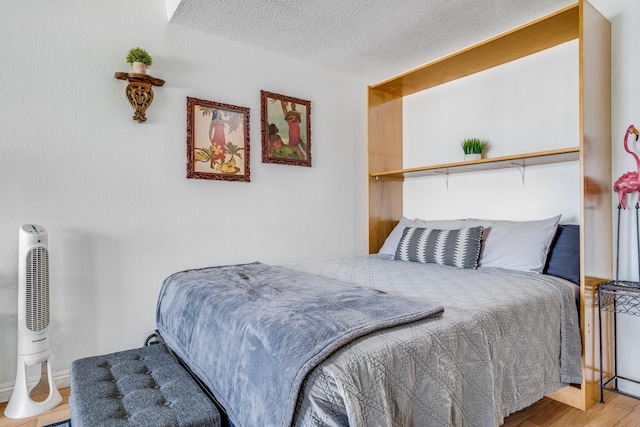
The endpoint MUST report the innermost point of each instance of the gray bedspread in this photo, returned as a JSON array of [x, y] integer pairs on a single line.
[[505, 339], [253, 332]]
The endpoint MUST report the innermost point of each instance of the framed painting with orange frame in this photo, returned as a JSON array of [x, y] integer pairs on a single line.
[[286, 129], [217, 141]]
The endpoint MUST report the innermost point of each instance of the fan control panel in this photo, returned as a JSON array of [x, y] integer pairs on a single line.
[[33, 229]]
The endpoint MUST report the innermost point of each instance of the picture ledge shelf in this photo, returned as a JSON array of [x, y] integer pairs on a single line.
[[519, 160]]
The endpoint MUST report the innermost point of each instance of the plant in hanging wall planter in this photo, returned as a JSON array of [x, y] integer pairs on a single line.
[[139, 59], [474, 148]]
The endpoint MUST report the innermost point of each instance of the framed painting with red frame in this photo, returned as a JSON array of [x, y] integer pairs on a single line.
[[286, 129], [217, 141]]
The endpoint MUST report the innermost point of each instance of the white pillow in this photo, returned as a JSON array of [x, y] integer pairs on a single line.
[[391, 244], [517, 245]]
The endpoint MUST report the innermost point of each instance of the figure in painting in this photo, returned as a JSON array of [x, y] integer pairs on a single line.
[[275, 142], [216, 135], [292, 117]]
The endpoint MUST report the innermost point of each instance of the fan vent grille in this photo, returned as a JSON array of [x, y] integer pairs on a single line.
[[37, 290]]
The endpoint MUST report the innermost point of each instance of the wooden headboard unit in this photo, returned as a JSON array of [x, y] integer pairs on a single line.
[[386, 174]]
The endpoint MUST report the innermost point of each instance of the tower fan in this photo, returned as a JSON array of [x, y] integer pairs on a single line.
[[34, 346]]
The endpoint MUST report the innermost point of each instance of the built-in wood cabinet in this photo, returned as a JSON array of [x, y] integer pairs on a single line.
[[386, 174]]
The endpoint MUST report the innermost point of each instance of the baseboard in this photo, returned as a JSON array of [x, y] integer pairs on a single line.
[[61, 379]]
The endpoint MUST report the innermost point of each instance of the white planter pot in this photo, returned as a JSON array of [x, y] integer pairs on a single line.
[[475, 156], [139, 67]]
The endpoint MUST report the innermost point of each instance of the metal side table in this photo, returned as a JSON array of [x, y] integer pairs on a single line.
[[618, 297]]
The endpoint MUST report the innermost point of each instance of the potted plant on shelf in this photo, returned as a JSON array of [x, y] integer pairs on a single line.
[[139, 59], [474, 148]]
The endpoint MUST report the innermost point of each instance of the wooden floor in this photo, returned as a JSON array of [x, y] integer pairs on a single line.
[[59, 413], [618, 411]]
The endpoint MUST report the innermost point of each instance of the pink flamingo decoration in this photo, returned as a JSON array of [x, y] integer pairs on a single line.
[[628, 182]]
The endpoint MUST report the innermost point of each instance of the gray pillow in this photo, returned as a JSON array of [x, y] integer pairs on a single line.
[[456, 248], [517, 245], [391, 244]]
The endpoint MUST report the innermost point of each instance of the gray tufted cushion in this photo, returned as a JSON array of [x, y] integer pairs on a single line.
[[140, 387]]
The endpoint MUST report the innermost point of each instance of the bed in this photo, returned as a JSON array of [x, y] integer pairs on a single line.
[[482, 343]]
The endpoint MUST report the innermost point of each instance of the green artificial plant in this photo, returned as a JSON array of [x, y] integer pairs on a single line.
[[138, 54], [474, 146]]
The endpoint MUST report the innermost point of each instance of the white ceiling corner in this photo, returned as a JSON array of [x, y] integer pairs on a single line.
[[171, 6], [373, 39]]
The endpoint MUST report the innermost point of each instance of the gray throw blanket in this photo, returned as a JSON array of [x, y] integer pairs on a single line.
[[253, 332]]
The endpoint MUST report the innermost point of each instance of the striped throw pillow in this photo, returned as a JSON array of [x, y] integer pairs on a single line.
[[456, 248]]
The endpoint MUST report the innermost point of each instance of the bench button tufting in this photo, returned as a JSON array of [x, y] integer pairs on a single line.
[[95, 399]]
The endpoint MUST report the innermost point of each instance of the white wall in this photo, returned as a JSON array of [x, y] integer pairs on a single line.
[[524, 106], [113, 193]]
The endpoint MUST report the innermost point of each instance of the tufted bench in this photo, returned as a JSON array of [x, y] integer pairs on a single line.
[[141, 387]]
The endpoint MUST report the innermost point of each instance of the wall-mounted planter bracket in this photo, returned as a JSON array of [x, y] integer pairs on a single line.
[[139, 92]]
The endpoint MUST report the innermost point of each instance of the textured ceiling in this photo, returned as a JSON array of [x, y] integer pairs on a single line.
[[373, 39]]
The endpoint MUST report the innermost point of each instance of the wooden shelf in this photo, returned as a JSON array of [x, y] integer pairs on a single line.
[[522, 160], [139, 78]]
